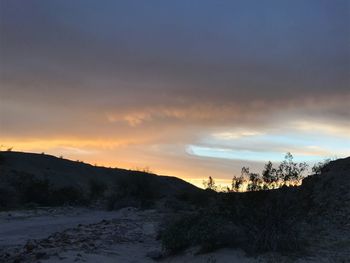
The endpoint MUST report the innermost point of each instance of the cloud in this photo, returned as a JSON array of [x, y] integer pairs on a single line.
[[120, 78]]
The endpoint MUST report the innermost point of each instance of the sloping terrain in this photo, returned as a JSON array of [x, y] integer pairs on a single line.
[[32, 174], [329, 191], [328, 219], [309, 223], [73, 173]]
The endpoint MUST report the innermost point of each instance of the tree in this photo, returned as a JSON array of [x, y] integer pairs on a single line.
[[210, 184], [237, 183], [269, 174], [245, 171], [289, 171], [255, 182], [317, 168]]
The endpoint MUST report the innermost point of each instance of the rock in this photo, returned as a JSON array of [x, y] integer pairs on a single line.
[[18, 259], [29, 246], [41, 255], [155, 254]]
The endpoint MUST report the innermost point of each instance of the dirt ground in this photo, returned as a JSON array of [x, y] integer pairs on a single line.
[[86, 235]]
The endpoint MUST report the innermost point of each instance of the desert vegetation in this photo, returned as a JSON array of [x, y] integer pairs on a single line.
[[134, 190], [287, 173], [256, 221], [252, 225], [260, 212], [27, 190]]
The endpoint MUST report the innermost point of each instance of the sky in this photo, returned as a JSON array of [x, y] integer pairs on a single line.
[[186, 88]]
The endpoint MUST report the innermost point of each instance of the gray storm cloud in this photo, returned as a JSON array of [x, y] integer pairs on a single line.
[[130, 69]]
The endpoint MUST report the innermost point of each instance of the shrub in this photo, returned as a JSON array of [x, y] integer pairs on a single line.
[[137, 185], [1, 159], [272, 226], [111, 200], [210, 184], [176, 236], [136, 189], [289, 170], [67, 196], [209, 231], [257, 222], [7, 198], [318, 167], [31, 189], [96, 189], [196, 198], [287, 173]]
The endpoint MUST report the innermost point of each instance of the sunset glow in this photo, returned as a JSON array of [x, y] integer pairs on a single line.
[[189, 90]]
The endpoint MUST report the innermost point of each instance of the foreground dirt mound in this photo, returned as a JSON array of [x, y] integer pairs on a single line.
[[329, 192], [107, 237], [328, 205]]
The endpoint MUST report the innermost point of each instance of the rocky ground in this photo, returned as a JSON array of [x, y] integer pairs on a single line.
[[77, 235], [83, 235], [88, 235]]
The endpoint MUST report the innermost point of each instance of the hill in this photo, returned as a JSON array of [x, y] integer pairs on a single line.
[[311, 219], [35, 175], [327, 213], [309, 223]]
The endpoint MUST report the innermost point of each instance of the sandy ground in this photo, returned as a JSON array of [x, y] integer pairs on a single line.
[[16, 227], [86, 235]]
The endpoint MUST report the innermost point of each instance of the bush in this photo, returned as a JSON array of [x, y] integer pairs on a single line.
[[67, 196], [176, 235], [256, 222], [31, 189], [137, 185], [196, 198], [272, 227], [1, 159], [27, 189], [209, 231], [318, 167], [96, 190], [7, 198], [136, 189]]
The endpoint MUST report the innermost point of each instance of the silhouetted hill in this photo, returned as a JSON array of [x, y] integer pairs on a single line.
[[312, 219], [329, 191], [327, 217], [40, 171]]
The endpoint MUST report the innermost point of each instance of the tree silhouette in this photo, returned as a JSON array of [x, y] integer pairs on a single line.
[[289, 170], [317, 168], [254, 182], [210, 184], [237, 183], [287, 173], [269, 174]]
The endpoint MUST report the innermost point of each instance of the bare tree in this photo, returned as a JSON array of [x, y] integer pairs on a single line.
[[210, 184]]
